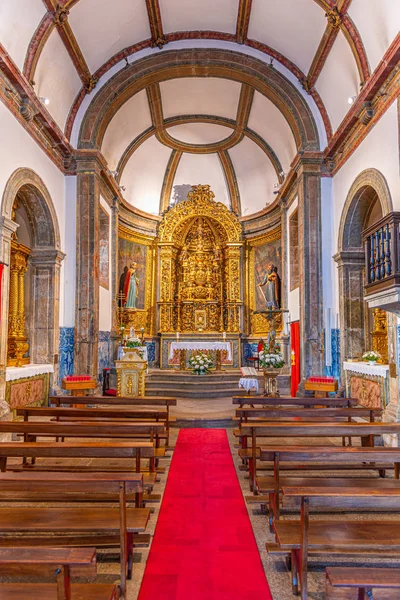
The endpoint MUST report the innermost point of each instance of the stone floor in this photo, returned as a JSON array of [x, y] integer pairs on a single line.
[[275, 567], [207, 409]]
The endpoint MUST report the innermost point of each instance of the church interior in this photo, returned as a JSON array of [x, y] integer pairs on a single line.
[[199, 299]]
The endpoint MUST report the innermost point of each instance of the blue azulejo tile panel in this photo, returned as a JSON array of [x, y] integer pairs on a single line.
[[105, 352], [334, 369], [66, 353], [248, 350], [151, 352]]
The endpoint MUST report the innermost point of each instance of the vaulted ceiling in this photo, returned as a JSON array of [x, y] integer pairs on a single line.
[[199, 127]]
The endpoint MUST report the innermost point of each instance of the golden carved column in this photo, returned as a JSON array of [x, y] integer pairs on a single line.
[[17, 340], [379, 334], [167, 287], [233, 288]]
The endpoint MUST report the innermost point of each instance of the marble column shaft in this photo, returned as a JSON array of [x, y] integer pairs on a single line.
[[310, 265], [87, 269]]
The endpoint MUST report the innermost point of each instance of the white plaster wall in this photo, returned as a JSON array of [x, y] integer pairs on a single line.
[[293, 296], [20, 150], [380, 150], [68, 267], [105, 301]]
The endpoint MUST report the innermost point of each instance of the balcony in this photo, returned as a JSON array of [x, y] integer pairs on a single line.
[[382, 263]]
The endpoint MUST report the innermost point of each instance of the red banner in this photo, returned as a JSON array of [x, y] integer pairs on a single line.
[[295, 344]]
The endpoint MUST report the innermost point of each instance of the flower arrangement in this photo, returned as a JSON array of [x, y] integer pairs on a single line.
[[271, 360], [371, 356], [133, 343], [200, 363]]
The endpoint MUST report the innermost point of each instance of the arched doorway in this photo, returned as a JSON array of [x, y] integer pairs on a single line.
[[367, 201], [26, 204]]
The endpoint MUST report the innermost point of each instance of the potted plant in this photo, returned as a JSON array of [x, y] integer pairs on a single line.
[[371, 357], [200, 363], [271, 360]]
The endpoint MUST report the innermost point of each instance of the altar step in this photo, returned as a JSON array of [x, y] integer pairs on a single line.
[[188, 385]]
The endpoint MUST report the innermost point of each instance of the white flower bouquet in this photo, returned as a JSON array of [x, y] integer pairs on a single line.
[[371, 356], [200, 363], [271, 360], [133, 343]]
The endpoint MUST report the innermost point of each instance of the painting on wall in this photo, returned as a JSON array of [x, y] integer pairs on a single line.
[[132, 273], [104, 249], [264, 255]]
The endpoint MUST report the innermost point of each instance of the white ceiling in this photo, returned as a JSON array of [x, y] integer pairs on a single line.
[[102, 28], [199, 133]]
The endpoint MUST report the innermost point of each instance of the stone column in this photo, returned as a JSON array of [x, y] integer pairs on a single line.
[[45, 264], [87, 267], [310, 265], [351, 265], [7, 228], [115, 275]]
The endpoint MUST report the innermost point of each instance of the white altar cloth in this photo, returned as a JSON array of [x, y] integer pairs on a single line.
[[13, 373], [366, 369], [213, 346], [248, 383]]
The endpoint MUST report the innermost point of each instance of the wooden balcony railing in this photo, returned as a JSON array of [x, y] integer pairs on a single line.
[[382, 253]]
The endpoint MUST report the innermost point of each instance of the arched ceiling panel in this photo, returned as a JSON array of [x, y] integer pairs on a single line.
[[199, 133], [378, 23], [293, 27], [56, 78], [266, 120], [133, 118], [255, 176], [182, 15], [103, 28], [143, 176], [200, 95], [339, 80], [201, 169], [18, 22]]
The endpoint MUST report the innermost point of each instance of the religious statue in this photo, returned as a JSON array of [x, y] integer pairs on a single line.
[[131, 286], [272, 283]]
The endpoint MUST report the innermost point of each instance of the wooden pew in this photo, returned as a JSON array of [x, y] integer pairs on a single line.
[[31, 430], [362, 581], [86, 526], [311, 402], [332, 457], [292, 412], [366, 431], [137, 401], [372, 537], [56, 563], [91, 414], [133, 451]]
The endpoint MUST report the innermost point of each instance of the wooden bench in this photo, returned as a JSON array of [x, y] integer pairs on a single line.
[[326, 402], [76, 525], [359, 582], [56, 563], [31, 430], [133, 451], [281, 430], [292, 412], [137, 401], [372, 537]]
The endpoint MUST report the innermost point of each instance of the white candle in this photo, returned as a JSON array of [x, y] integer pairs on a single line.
[[177, 335], [224, 335]]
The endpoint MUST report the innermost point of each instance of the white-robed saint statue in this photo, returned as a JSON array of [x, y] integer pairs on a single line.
[[272, 283], [131, 286]]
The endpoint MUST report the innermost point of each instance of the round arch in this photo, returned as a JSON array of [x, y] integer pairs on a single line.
[[44, 264]]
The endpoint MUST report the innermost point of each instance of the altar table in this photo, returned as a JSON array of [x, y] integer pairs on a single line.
[[368, 383], [216, 347]]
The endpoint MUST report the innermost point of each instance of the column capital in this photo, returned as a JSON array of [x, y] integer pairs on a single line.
[[308, 163], [8, 227], [89, 161], [46, 256]]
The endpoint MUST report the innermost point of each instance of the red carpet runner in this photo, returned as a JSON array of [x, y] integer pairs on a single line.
[[204, 546]]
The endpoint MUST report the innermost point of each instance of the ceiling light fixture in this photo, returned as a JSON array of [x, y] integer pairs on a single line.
[[351, 99], [45, 101]]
